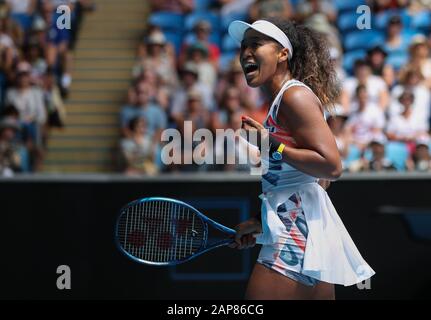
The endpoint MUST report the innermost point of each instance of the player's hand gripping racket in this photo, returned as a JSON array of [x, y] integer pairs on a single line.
[[163, 232]]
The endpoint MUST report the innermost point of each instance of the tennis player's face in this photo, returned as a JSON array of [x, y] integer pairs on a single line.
[[258, 57]]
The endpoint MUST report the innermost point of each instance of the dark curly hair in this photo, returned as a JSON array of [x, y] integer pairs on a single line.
[[311, 63]]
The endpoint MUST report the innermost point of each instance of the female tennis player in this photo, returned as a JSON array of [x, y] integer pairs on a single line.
[[305, 246]]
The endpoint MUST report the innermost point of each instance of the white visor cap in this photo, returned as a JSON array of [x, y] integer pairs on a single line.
[[238, 28]]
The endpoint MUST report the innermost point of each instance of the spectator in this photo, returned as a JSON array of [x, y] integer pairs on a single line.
[[10, 158], [202, 31], [199, 119], [395, 42], [10, 38], [375, 88], [421, 159], [158, 58], [230, 104], [336, 58], [137, 151], [230, 7], [23, 10], [337, 122], [10, 27], [26, 7], [411, 79], [190, 81], [198, 54], [34, 55], [59, 41], [194, 112], [378, 160], [270, 8], [320, 23], [376, 59], [53, 101], [306, 9], [367, 122], [156, 119], [407, 126], [28, 100], [419, 57], [177, 6]]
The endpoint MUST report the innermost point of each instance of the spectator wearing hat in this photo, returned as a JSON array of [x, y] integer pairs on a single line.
[[375, 87], [366, 122], [395, 43], [407, 126], [190, 81], [158, 57], [411, 79], [202, 31], [270, 9], [376, 59], [10, 155], [198, 54]]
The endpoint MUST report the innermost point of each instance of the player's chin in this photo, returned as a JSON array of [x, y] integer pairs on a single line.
[[254, 82]]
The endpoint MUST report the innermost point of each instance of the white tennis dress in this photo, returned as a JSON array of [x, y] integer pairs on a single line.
[[329, 254]]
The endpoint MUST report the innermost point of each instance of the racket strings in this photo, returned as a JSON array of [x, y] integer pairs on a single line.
[[160, 231]]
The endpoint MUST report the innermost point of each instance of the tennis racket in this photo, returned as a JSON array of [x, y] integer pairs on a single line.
[[165, 232]]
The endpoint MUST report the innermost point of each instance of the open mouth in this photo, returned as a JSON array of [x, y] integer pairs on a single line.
[[250, 68]]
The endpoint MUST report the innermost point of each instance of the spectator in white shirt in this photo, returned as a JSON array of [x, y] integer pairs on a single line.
[[375, 87], [412, 79], [406, 127], [367, 122], [27, 98]]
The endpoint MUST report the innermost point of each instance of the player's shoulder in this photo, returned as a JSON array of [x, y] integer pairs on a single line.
[[299, 96]]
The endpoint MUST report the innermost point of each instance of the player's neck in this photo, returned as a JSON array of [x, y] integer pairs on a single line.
[[274, 85]]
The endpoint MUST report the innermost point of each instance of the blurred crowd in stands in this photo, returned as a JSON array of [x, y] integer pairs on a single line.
[[187, 68], [35, 64]]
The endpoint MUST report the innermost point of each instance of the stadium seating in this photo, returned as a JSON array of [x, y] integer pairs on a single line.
[[363, 39], [167, 20]]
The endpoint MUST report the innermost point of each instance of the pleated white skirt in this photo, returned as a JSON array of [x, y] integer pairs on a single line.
[[330, 254]]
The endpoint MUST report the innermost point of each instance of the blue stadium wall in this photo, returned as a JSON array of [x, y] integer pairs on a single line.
[[50, 222]]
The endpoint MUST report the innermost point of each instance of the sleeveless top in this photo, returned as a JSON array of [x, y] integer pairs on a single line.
[[330, 253], [279, 174]]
